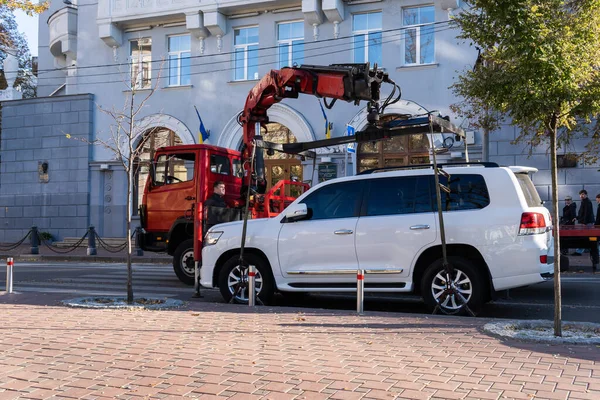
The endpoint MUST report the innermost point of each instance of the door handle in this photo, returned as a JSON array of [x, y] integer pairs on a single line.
[[416, 227], [343, 232], [190, 198]]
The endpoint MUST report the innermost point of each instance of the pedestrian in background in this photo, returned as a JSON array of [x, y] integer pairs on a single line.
[[569, 212], [597, 210], [569, 217], [585, 216], [586, 211]]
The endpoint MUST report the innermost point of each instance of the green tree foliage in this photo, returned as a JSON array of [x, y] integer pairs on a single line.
[[540, 67], [540, 60], [11, 38], [29, 7]]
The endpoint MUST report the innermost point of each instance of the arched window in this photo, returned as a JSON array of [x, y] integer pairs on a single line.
[[150, 141], [393, 152]]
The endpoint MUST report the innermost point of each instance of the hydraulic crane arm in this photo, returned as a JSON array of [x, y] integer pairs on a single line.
[[348, 82]]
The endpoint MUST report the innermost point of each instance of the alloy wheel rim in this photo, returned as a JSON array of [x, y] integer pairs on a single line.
[[238, 279], [459, 282]]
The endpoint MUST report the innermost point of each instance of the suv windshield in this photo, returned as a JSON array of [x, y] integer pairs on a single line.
[[531, 195]]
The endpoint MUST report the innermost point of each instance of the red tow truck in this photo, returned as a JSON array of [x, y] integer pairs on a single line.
[[181, 179], [578, 237]]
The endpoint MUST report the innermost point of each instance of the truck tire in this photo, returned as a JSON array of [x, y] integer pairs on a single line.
[[183, 262], [471, 285], [564, 263], [230, 274]]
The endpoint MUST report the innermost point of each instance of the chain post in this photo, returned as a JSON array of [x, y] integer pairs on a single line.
[[251, 285], [91, 250], [360, 291], [35, 241], [197, 293], [9, 275], [138, 250]]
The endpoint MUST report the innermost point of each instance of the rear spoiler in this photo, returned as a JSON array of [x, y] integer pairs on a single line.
[[523, 170]]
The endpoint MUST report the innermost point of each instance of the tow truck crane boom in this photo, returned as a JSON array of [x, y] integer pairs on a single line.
[[348, 82]]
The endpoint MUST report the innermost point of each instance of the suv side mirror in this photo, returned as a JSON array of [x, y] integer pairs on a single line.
[[296, 212]]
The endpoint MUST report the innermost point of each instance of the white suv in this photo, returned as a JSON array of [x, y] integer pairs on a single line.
[[498, 234]]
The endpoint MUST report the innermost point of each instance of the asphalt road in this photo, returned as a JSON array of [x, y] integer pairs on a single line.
[[580, 294]]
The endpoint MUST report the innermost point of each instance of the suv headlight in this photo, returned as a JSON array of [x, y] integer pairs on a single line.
[[212, 238]]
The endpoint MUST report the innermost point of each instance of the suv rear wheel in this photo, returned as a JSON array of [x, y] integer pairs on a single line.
[[233, 279], [183, 262], [465, 279]]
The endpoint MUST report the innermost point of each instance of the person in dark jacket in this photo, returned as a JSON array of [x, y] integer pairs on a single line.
[[585, 215], [569, 212], [568, 218], [597, 210], [586, 210], [214, 206], [594, 250]]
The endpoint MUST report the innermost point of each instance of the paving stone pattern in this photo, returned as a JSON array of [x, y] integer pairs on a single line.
[[214, 351]]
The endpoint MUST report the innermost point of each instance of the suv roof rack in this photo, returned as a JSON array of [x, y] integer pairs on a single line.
[[384, 169]]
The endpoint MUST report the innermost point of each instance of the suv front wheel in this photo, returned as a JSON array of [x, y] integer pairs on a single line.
[[233, 279], [465, 279]]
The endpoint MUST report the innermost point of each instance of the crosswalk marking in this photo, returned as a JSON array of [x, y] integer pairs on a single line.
[[97, 279]]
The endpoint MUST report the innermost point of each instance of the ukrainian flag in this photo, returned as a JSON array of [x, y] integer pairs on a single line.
[[203, 133]]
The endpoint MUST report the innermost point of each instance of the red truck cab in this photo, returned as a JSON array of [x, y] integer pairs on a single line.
[[180, 180]]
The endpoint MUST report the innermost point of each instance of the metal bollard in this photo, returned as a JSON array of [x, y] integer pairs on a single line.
[[360, 291], [138, 250], [197, 281], [91, 250], [9, 275], [251, 288], [34, 241]]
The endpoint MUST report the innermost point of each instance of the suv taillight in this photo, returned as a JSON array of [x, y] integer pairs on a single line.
[[532, 223]]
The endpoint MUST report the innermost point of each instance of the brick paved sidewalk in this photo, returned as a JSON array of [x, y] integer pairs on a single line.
[[212, 351]]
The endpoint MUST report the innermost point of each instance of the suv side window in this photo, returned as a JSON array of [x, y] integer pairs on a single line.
[[467, 192], [338, 200], [401, 195]]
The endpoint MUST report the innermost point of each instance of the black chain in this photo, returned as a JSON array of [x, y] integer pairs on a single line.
[[12, 246], [53, 248], [109, 248]]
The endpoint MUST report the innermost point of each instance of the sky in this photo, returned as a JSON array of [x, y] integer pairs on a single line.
[[29, 26]]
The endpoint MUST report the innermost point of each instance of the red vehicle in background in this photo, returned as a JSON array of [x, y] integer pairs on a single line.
[[181, 179]]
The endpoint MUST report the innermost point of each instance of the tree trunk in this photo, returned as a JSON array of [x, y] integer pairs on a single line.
[[556, 223], [131, 157], [128, 229], [486, 137]]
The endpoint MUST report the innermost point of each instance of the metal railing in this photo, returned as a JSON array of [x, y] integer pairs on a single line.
[[36, 239]]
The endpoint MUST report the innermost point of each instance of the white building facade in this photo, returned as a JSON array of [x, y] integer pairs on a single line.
[[209, 54]]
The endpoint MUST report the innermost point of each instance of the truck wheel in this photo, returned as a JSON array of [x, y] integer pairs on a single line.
[[564, 263], [183, 262], [233, 278], [466, 279]]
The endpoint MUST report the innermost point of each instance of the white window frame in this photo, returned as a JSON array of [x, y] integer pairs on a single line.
[[178, 54], [417, 28], [366, 33], [245, 47], [140, 64], [289, 42]]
